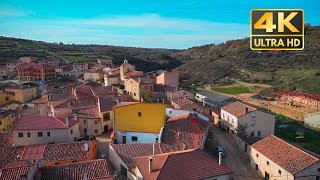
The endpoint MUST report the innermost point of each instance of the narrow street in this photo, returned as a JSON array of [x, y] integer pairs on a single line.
[[235, 159]]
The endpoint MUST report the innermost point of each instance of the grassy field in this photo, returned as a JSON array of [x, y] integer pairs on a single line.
[[311, 137], [234, 90], [75, 57]]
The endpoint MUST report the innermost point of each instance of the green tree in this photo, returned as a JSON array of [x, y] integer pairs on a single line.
[[148, 96]]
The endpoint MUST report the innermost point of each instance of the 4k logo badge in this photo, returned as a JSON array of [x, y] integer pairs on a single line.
[[277, 29]]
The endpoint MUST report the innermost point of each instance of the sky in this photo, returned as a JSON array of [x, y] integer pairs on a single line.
[[140, 23]]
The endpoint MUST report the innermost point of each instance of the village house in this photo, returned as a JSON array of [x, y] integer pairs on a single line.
[[125, 68], [6, 97], [94, 169], [17, 161], [183, 132], [3, 72], [245, 120], [187, 164], [275, 158], [137, 87], [172, 93], [136, 122], [36, 72], [121, 157], [213, 99], [31, 129], [106, 61], [168, 78], [7, 120], [112, 77], [80, 67], [12, 67], [93, 75], [23, 93]]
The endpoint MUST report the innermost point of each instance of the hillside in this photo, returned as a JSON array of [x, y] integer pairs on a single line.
[[144, 59], [219, 64]]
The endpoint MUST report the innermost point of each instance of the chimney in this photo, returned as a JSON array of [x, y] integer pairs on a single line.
[[139, 79], [86, 146], [150, 164], [246, 110], [153, 150], [125, 61], [220, 155], [75, 116], [67, 122], [203, 102]]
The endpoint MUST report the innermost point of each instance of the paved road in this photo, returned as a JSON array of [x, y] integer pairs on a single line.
[[103, 144], [235, 159]]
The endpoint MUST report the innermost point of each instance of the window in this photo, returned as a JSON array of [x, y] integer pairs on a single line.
[[71, 131], [257, 155], [28, 134], [134, 138], [85, 130], [48, 133], [95, 122], [0, 123], [84, 121], [157, 140], [259, 133], [257, 167], [170, 112], [20, 135], [253, 122], [252, 133], [40, 134], [57, 163], [279, 171], [96, 131], [134, 94], [139, 114], [73, 161], [267, 162]]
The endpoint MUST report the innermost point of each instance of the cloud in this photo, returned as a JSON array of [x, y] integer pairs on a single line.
[[146, 30]]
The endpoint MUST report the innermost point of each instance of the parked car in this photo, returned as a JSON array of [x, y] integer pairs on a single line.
[[220, 149], [86, 138]]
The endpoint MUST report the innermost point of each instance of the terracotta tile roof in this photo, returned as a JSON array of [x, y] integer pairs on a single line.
[[95, 169], [84, 91], [90, 112], [34, 65], [182, 101], [62, 113], [10, 154], [183, 132], [142, 80], [128, 151], [33, 152], [6, 139], [238, 109], [32, 122], [102, 90], [66, 151], [40, 101], [133, 74], [126, 104], [284, 154], [105, 104], [14, 173], [190, 164]]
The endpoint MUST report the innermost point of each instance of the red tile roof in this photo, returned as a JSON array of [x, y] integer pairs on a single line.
[[133, 74], [6, 140], [128, 151], [102, 90], [182, 101], [32, 122], [84, 91], [67, 151], [284, 154], [10, 154], [33, 152], [94, 169], [183, 132], [190, 164], [14, 173], [238, 109], [34, 65], [105, 104]]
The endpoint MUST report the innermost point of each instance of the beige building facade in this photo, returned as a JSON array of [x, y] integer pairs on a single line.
[[24, 93]]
